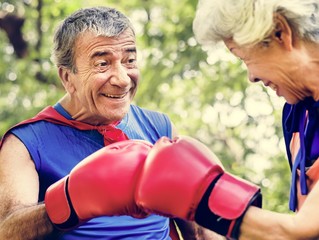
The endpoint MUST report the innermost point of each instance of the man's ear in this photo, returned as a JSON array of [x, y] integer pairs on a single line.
[[282, 32], [64, 74]]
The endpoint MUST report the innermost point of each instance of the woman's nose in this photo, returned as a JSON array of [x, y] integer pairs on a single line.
[[253, 79]]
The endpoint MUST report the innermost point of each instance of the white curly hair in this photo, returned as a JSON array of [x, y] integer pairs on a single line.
[[251, 21]]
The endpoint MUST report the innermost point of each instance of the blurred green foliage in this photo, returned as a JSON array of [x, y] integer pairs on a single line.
[[205, 92]]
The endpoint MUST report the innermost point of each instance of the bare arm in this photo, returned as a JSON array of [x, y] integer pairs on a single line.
[[263, 225], [26, 223], [21, 217]]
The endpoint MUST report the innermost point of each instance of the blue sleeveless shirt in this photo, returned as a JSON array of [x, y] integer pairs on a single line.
[[56, 149]]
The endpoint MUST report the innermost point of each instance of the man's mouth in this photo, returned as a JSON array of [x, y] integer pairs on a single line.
[[115, 96]]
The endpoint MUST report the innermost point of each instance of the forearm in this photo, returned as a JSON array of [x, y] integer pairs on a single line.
[[26, 223], [263, 225], [266, 225]]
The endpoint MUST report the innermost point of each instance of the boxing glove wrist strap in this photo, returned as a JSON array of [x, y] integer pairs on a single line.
[[59, 207], [224, 204]]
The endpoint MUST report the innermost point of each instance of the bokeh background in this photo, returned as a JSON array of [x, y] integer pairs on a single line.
[[205, 92]]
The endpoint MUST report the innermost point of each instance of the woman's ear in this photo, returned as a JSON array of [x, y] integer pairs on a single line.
[[282, 32], [64, 74]]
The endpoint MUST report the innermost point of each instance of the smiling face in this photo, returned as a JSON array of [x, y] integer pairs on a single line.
[[273, 68], [281, 63], [105, 79]]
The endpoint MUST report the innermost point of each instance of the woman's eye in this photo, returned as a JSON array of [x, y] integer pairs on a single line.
[[266, 42]]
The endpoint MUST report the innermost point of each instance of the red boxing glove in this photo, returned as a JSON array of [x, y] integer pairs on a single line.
[[103, 184], [183, 178]]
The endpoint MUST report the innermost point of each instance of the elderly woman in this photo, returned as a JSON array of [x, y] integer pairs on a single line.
[[278, 40]]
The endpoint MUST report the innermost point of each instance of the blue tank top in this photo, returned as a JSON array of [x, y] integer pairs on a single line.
[[56, 149]]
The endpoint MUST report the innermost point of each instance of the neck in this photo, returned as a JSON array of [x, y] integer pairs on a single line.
[[79, 113]]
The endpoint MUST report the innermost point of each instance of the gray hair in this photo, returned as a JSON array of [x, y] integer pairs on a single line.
[[251, 21], [102, 21]]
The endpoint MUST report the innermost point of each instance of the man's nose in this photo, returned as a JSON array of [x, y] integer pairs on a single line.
[[119, 76]]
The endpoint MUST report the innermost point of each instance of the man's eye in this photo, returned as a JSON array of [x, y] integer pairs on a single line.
[[132, 60], [101, 64]]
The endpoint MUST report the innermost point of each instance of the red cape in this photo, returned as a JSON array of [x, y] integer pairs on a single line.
[[110, 132]]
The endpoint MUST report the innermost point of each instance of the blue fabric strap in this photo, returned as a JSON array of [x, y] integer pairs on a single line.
[[294, 120]]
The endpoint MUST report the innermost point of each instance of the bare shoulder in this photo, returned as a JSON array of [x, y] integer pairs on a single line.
[[14, 158], [18, 177], [12, 146]]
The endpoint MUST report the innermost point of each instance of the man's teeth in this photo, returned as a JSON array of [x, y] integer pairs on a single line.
[[114, 96]]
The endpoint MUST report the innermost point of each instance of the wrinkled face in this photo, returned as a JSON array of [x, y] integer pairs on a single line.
[[275, 66], [106, 77]]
